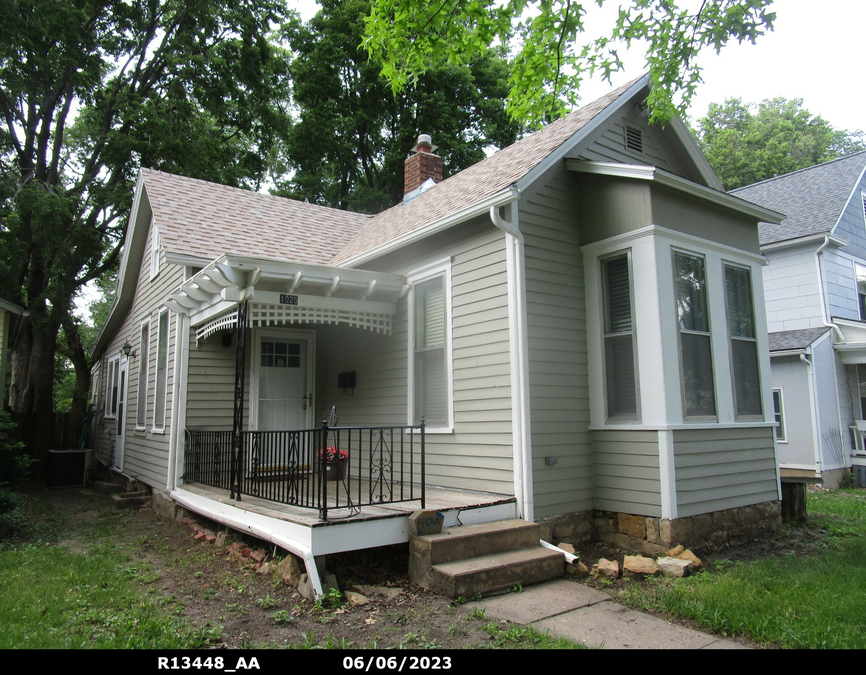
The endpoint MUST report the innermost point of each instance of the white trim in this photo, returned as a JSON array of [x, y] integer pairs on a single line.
[[667, 474], [623, 240], [111, 379], [143, 367], [837, 242], [783, 424], [177, 440], [674, 182], [167, 314], [441, 268], [680, 426], [688, 142]]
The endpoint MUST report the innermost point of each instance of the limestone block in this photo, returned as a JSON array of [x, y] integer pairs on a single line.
[[674, 567], [605, 569], [633, 526], [290, 570], [638, 567]]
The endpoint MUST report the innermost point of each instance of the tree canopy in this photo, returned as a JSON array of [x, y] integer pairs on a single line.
[[351, 136], [746, 143], [552, 52], [89, 91]]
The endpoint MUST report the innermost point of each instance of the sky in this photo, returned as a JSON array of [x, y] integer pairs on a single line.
[[813, 54]]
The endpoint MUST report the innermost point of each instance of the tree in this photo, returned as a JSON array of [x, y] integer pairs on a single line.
[[746, 143], [410, 36], [351, 137], [90, 90]]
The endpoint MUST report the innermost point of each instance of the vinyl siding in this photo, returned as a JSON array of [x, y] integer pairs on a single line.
[[627, 478], [558, 378], [714, 473], [145, 451], [852, 222], [791, 290], [791, 375]]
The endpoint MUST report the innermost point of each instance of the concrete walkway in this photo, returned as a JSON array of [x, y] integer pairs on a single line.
[[586, 616]]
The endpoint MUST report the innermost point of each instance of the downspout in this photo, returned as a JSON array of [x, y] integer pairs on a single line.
[[824, 317], [813, 401], [520, 422]]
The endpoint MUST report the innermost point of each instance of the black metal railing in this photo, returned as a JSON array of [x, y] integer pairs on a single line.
[[382, 465]]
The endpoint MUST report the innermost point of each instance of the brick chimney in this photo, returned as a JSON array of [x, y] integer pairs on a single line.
[[421, 165]]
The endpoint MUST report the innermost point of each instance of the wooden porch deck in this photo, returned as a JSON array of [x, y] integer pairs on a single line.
[[440, 499]]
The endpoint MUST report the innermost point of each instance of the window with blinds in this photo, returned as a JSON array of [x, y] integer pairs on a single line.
[[744, 343], [619, 338], [430, 366], [696, 357]]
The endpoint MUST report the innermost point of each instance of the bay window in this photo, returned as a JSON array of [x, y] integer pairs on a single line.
[[743, 340], [696, 357], [619, 338]]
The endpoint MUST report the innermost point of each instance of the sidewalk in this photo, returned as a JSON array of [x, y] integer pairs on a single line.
[[586, 616]]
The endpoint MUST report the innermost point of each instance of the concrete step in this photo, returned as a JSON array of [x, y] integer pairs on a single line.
[[471, 541], [497, 572]]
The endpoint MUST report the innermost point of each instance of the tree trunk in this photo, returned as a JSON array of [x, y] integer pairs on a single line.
[[32, 384]]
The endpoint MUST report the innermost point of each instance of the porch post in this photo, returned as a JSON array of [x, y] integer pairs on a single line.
[[238, 423], [323, 484]]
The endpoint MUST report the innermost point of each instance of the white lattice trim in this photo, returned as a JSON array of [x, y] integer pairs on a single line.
[[221, 323], [271, 315]]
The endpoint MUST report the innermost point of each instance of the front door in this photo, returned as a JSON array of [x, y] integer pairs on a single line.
[[284, 374], [121, 413]]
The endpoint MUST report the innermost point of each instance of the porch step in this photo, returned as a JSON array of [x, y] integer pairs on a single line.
[[482, 558]]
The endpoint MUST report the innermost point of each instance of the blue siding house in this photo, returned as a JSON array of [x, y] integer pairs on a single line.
[[815, 292]]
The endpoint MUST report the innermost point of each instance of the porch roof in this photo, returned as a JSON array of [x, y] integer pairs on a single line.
[[285, 291], [852, 345]]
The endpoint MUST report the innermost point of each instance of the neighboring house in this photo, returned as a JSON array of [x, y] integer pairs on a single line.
[[578, 319], [10, 316], [815, 293]]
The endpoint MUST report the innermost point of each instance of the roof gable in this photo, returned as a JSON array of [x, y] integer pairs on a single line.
[[812, 198]]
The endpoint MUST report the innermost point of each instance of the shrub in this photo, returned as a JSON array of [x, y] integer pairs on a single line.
[[14, 462]]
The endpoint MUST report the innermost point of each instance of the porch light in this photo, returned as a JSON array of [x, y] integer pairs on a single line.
[[127, 350]]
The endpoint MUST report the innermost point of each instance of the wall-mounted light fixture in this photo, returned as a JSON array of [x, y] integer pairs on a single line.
[[127, 350]]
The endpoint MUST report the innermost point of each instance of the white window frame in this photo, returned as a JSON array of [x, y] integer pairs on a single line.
[[154, 249], [143, 376], [708, 334], [740, 338], [111, 383], [441, 268], [161, 346], [603, 288], [781, 431], [860, 271]]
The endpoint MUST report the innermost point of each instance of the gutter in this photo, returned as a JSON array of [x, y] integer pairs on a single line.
[[828, 239], [520, 421], [813, 404]]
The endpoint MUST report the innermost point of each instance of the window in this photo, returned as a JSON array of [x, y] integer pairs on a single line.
[[779, 414], [744, 343], [696, 358], [161, 370], [430, 384], [619, 338], [111, 387], [154, 249], [860, 274], [143, 366]]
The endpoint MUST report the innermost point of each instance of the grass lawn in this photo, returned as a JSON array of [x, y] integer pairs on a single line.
[[794, 601]]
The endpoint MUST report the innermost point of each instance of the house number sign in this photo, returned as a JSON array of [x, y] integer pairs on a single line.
[[288, 299]]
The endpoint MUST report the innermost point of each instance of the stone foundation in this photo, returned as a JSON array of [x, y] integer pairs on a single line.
[[655, 536], [702, 533]]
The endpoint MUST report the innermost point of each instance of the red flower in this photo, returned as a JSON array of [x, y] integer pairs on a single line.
[[333, 453]]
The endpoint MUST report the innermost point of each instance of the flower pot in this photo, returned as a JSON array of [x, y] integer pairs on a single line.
[[336, 470]]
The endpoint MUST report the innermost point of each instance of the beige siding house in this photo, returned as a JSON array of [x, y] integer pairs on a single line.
[[571, 331]]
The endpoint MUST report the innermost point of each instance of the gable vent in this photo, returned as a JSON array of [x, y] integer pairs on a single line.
[[634, 139]]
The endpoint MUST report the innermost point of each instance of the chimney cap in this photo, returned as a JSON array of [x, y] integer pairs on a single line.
[[424, 142]]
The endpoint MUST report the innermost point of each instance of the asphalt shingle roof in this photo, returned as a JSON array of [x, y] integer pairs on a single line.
[[206, 220], [792, 340], [811, 198]]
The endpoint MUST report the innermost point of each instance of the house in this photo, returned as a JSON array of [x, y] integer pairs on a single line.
[[815, 286], [577, 320], [10, 318]]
